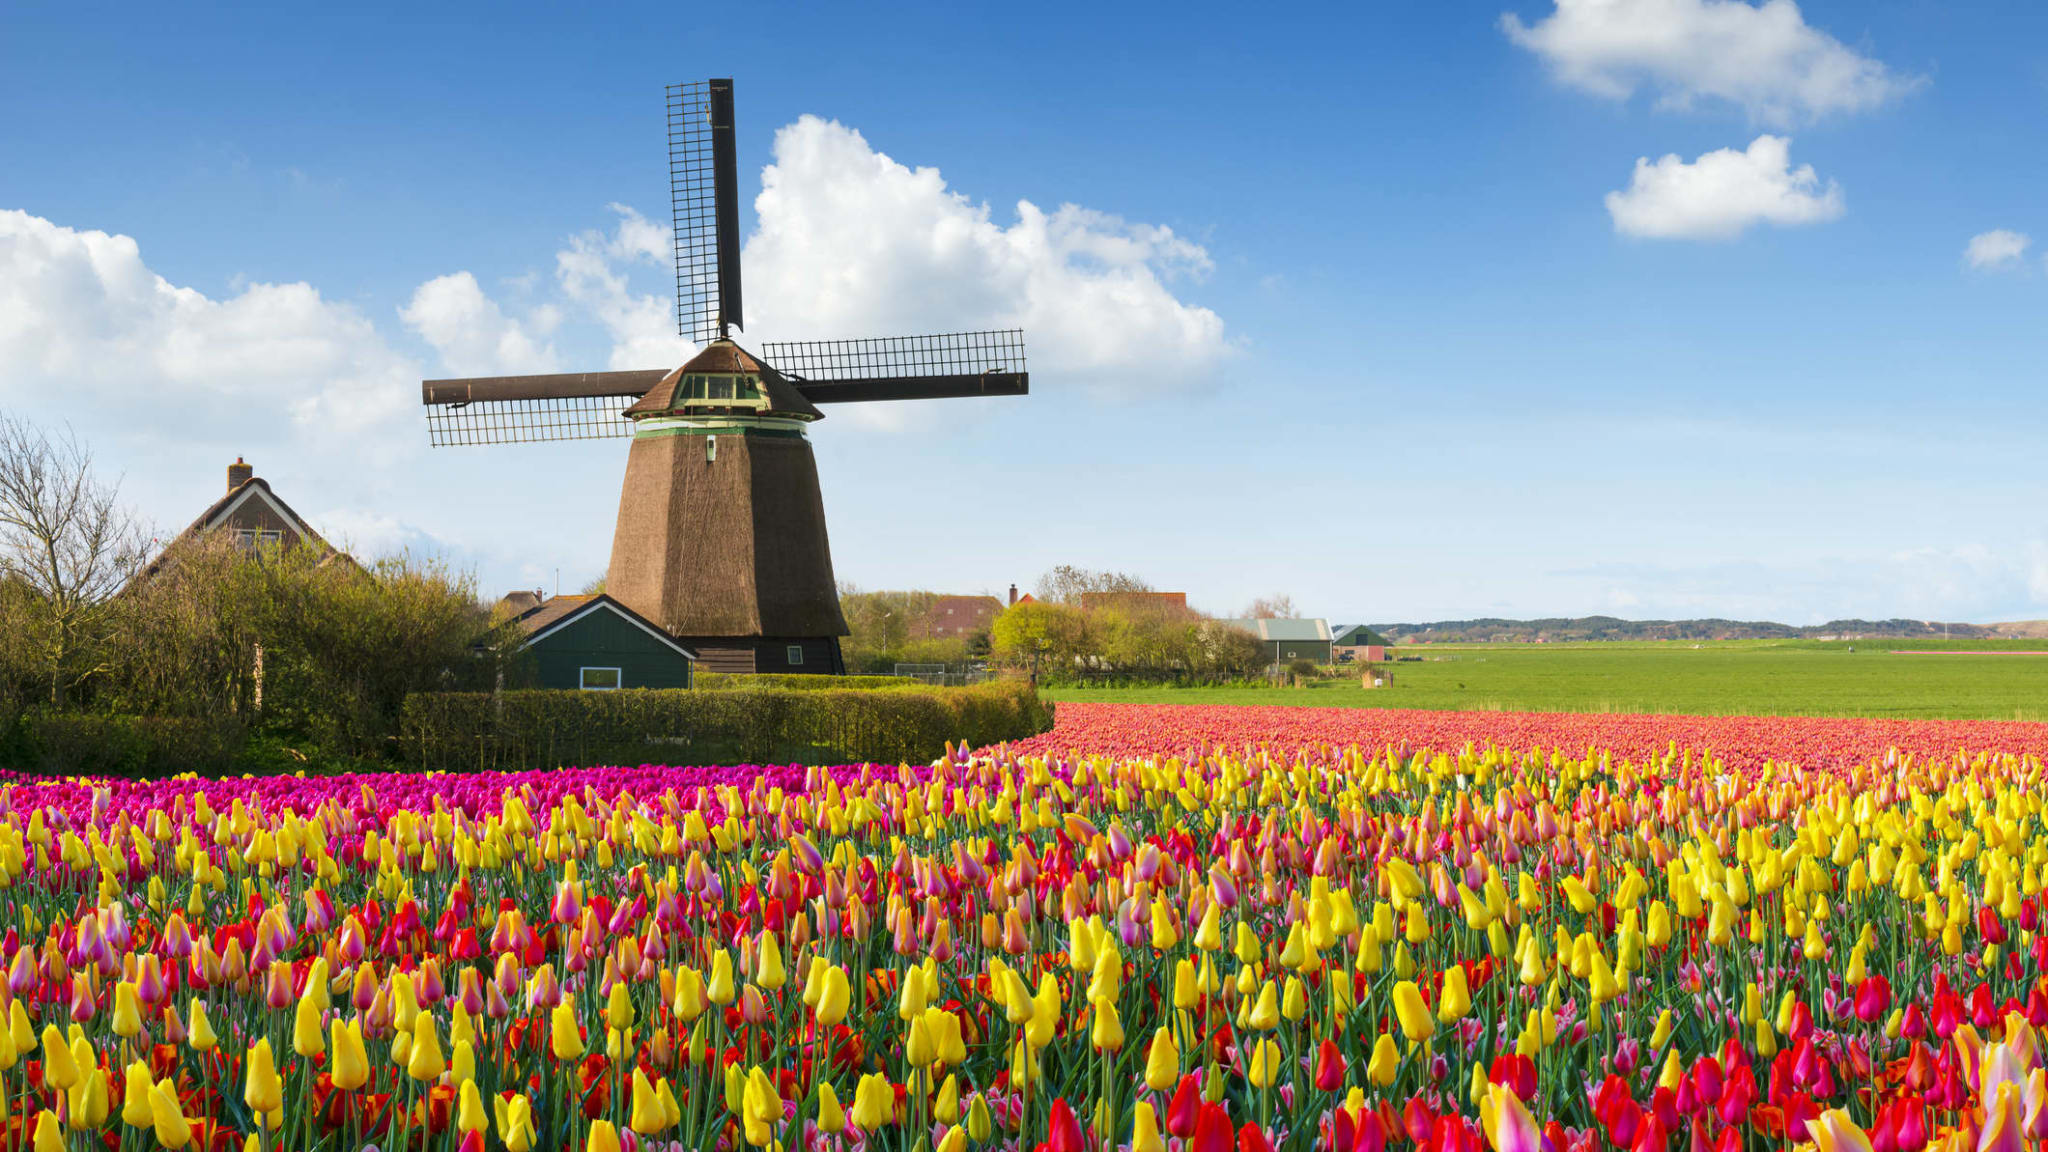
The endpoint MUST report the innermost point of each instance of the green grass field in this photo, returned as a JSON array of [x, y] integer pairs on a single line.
[[1783, 678]]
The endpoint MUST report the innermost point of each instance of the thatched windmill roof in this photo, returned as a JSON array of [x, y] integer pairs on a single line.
[[725, 358]]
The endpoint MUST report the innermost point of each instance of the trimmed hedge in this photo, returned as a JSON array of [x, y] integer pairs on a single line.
[[119, 746], [459, 731], [799, 681]]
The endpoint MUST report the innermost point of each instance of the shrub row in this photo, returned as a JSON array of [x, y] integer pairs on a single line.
[[55, 743], [799, 681], [459, 731]]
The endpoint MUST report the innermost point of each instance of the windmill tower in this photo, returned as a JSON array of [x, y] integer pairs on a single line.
[[721, 530]]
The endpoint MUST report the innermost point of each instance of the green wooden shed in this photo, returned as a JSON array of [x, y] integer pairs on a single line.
[[597, 644]]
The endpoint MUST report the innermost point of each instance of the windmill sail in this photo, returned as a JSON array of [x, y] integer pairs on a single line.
[[703, 178], [525, 409], [935, 367]]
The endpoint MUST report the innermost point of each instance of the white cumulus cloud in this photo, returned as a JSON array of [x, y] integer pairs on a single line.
[[1764, 58], [82, 315], [853, 243], [473, 335], [1998, 248], [1722, 193]]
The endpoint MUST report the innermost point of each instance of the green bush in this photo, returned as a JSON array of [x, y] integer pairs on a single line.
[[543, 729]]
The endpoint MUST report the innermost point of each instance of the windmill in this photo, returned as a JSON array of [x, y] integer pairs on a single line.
[[721, 530]]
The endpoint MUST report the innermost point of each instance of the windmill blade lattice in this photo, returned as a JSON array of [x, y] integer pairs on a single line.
[[703, 176]]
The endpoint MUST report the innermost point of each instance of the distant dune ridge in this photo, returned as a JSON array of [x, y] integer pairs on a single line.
[[1562, 629]]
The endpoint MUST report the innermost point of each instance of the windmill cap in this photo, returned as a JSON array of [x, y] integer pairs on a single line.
[[725, 358]]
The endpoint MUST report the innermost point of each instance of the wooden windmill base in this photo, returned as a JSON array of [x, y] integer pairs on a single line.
[[721, 540]]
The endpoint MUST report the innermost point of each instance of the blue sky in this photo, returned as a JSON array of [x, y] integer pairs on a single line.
[[1371, 306]]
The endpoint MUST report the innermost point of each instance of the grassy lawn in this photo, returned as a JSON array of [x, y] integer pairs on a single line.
[[1785, 678]]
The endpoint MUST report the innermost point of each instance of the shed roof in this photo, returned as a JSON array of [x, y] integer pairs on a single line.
[[1307, 630], [558, 612]]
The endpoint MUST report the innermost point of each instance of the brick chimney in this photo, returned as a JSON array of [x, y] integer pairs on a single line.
[[239, 474], [1013, 593]]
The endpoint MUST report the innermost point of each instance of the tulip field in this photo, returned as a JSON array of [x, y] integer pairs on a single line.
[[1152, 929]]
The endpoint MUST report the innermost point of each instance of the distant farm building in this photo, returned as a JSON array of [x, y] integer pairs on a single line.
[[1289, 640], [1356, 642], [596, 644]]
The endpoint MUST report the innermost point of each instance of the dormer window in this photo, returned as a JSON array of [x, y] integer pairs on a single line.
[[720, 390]]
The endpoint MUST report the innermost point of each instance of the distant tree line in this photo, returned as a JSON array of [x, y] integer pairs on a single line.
[[1079, 625], [217, 656]]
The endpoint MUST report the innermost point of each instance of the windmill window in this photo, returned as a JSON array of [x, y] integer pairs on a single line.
[[796, 654], [721, 388], [750, 388], [599, 679]]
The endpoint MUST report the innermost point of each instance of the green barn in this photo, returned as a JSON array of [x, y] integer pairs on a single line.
[[597, 644]]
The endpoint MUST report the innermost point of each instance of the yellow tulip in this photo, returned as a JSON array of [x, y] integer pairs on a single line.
[[59, 1069], [425, 1061], [469, 1109], [306, 1038], [1456, 999], [1107, 1030], [1145, 1130], [1265, 1014], [874, 1103], [172, 1129], [88, 1100], [604, 1137], [49, 1138], [834, 997], [1162, 1061], [349, 1064], [831, 1117], [564, 1036], [135, 1086], [1416, 1021], [1264, 1065], [1385, 1064], [647, 1114], [262, 1090]]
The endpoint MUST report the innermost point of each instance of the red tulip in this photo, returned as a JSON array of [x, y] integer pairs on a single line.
[[1184, 1111], [1343, 1133], [1213, 1132], [1873, 999], [1329, 1068], [1515, 1073], [1063, 1132], [1990, 926], [1251, 1139], [1909, 1123], [1417, 1119]]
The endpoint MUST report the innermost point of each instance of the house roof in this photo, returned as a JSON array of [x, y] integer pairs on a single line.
[[1351, 634], [728, 358], [254, 488], [967, 603], [558, 612], [1301, 631]]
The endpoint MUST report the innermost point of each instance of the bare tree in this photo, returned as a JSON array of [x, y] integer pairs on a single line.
[[1279, 606], [66, 538], [1066, 584]]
